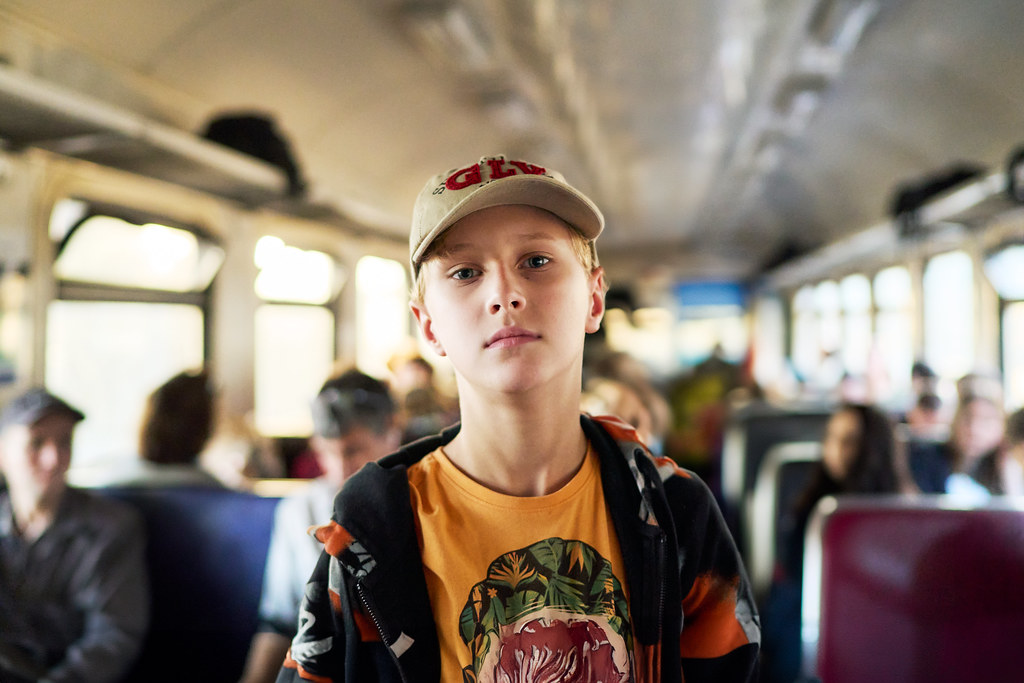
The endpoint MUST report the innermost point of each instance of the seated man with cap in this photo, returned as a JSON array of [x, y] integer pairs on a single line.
[[74, 602], [354, 422]]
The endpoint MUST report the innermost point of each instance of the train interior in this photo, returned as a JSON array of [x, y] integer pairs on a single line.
[[803, 198]]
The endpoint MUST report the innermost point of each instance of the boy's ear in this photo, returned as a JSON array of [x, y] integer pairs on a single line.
[[426, 325], [596, 313]]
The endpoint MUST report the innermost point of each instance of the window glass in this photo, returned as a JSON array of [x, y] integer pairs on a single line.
[[827, 301], [647, 334], [855, 294], [382, 313], [290, 274], [111, 251], [894, 333], [1013, 354], [769, 333], [806, 343], [949, 314], [803, 300], [106, 357], [696, 340], [893, 289], [14, 326], [708, 315], [893, 339], [1005, 270], [294, 354]]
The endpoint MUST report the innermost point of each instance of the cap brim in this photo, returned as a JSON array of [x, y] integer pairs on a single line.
[[531, 190]]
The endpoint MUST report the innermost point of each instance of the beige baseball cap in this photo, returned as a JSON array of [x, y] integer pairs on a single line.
[[496, 181]]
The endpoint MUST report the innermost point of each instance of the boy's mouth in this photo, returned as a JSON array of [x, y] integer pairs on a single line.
[[508, 337]]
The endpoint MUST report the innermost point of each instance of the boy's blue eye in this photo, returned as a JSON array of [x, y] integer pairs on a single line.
[[463, 274], [537, 261]]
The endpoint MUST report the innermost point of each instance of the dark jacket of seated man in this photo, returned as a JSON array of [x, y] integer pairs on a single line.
[[74, 602]]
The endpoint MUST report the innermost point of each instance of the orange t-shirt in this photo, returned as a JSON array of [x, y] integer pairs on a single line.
[[532, 585]]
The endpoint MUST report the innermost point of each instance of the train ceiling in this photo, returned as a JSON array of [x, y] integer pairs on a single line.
[[719, 136]]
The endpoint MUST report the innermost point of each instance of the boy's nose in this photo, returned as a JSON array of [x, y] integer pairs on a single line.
[[49, 456], [505, 295], [511, 303]]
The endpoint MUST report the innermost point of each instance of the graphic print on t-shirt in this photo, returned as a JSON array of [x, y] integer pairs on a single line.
[[552, 611]]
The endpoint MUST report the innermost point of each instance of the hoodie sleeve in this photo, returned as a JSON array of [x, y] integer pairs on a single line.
[[720, 636], [317, 652]]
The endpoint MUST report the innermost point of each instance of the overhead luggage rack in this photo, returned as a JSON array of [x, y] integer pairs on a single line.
[[36, 113]]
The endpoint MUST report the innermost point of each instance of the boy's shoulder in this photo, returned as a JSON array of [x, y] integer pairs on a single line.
[[629, 443], [379, 486]]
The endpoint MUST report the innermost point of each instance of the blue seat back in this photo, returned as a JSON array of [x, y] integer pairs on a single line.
[[750, 434], [206, 551], [783, 476]]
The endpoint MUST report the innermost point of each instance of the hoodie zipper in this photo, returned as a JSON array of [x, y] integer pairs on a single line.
[[364, 598], [660, 563]]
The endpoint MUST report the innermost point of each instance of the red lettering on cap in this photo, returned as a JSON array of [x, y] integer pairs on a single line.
[[529, 169], [472, 177], [497, 171]]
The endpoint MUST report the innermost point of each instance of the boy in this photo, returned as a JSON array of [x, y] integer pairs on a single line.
[[354, 422], [528, 543]]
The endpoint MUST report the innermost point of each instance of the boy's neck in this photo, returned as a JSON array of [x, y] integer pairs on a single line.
[[519, 447], [34, 516]]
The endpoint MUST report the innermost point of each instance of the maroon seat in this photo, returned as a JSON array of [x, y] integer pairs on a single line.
[[914, 589]]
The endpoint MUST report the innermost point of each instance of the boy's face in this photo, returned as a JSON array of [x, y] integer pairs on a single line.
[[34, 458], [343, 456], [507, 300]]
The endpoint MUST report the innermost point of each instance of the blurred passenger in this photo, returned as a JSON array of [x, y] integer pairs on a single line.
[[74, 601], [603, 396], [700, 407], [926, 421], [923, 379], [354, 422], [176, 425], [238, 455], [949, 467], [987, 384], [423, 409], [623, 369], [1001, 470], [860, 455]]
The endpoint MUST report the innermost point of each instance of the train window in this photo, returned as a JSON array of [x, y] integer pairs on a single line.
[[13, 325], [106, 357], [294, 333], [108, 250], [949, 327], [128, 314], [294, 353], [646, 335], [287, 273], [1013, 354], [697, 339], [894, 327], [712, 318], [855, 295], [382, 313], [770, 333], [826, 369], [828, 304], [806, 344], [1005, 270]]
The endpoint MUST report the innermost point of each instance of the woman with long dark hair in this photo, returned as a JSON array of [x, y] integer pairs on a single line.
[[859, 455]]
